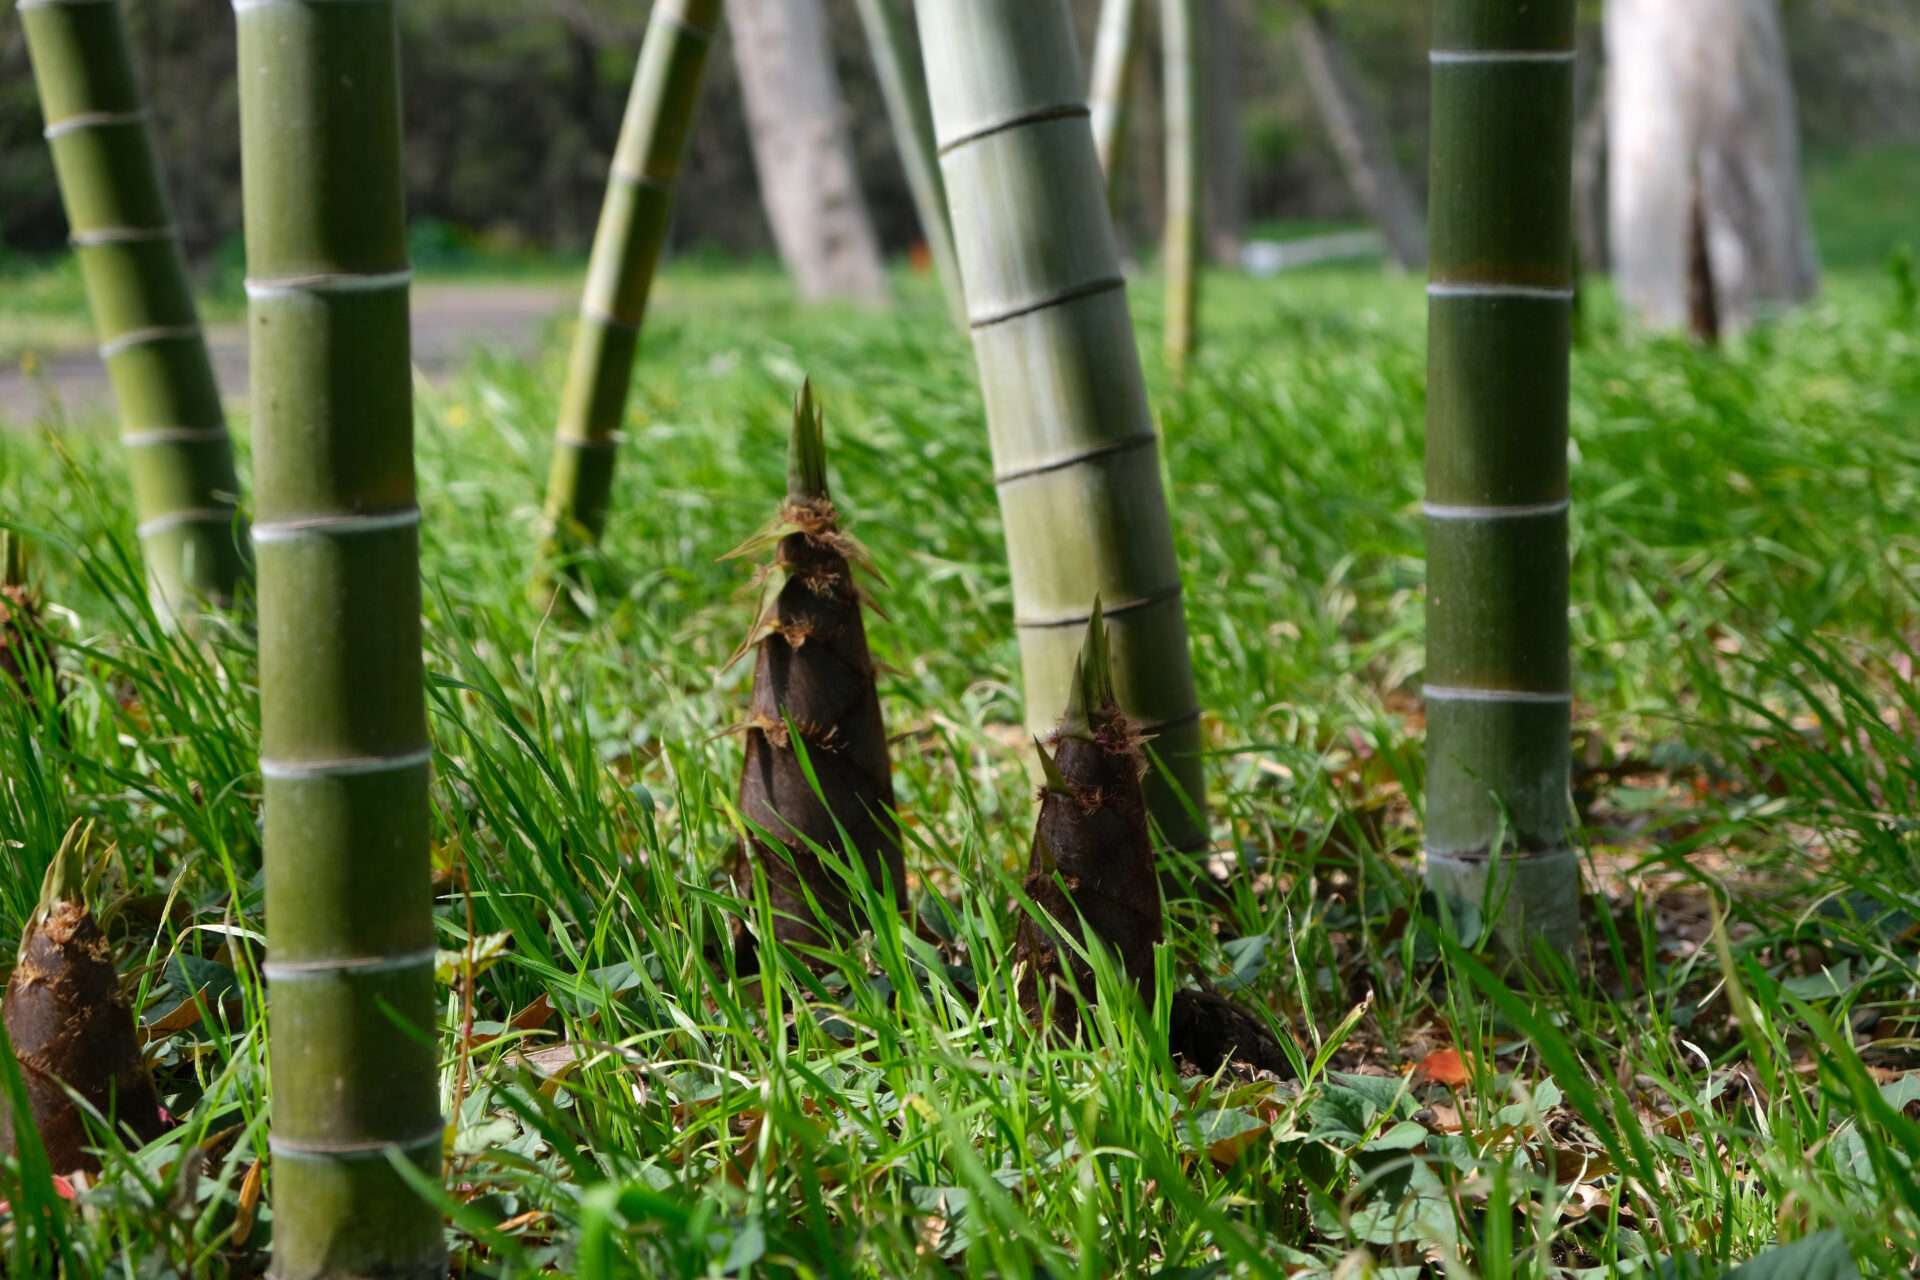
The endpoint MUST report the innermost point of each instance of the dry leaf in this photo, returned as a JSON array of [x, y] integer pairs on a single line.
[[247, 1205], [175, 1020], [1444, 1066]]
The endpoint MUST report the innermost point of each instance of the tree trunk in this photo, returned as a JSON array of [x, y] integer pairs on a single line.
[[1180, 47], [903, 83], [1360, 138], [185, 493], [1704, 87], [1498, 693], [626, 250], [1225, 35], [801, 149], [1590, 151], [343, 728], [1074, 446], [1115, 50]]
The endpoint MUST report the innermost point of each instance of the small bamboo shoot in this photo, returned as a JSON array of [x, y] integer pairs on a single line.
[[813, 679], [71, 1026]]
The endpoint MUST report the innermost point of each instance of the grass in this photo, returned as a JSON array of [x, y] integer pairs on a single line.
[[1731, 1070]]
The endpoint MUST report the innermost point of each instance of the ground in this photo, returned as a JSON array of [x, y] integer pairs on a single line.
[[1727, 1069]]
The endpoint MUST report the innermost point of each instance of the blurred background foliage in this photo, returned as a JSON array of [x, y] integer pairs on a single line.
[[513, 107]]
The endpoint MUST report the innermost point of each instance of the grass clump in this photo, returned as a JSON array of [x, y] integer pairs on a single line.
[[1731, 1072]]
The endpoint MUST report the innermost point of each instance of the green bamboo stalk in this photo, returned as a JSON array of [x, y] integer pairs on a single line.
[[185, 493], [1073, 438], [1499, 700], [903, 83], [626, 250], [1114, 54], [1180, 81], [343, 735]]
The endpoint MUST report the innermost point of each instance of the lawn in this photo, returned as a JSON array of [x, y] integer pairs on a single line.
[[1730, 1069]]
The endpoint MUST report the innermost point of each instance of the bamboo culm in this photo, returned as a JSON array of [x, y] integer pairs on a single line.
[[1115, 50], [1073, 440], [626, 251], [903, 83], [1180, 83], [1499, 676], [343, 735], [185, 493]]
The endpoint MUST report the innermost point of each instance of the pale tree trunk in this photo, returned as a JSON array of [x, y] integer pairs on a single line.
[[1590, 150], [1225, 27], [1360, 139], [801, 150], [1700, 103]]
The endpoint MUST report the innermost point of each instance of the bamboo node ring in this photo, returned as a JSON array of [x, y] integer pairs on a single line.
[[1456, 693]]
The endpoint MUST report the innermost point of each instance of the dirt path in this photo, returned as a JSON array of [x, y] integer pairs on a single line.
[[449, 321]]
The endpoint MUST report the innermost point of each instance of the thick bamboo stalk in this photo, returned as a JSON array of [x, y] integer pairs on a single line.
[[343, 735], [903, 83], [1499, 677], [1073, 438], [1115, 50], [185, 494], [1180, 83], [626, 251]]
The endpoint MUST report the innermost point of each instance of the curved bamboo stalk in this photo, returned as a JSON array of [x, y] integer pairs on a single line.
[[1073, 438], [343, 735], [626, 251], [1180, 81], [1115, 50], [1499, 677], [185, 493], [903, 83]]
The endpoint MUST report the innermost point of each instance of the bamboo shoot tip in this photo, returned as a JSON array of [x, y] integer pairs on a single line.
[[807, 452]]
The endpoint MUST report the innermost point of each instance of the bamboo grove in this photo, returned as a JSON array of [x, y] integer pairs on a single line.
[[1006, 160]]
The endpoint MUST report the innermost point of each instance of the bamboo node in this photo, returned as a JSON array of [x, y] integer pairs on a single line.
[[1048, 622], [1037, 115], [91, 120], [1456, 693], [1472, 57], [1092, 288], [179, 519], [1142, 440], [1514, 511], [147, 337], [268, 532], [348, 966], [344, 766], [1528, 292], [366, 1149]]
